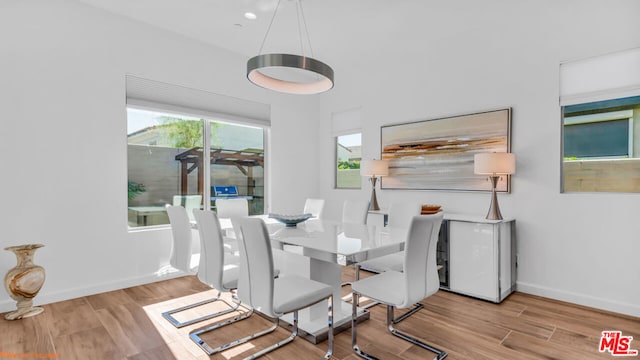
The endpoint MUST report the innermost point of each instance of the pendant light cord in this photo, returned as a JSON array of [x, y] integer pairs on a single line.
[[269, 28], [306, 30], [299, 14]]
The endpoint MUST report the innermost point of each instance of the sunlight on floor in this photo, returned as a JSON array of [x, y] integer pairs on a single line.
[[177, 339], [235, 351]]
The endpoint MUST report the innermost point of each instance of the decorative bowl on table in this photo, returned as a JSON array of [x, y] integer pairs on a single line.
[[430, 209], [290, 220]]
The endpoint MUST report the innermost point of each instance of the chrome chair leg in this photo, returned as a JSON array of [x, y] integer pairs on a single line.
[[440, 354], [329, 353], [195, 335], [294, 334], [354, 333], [416, 307], [175, 322]]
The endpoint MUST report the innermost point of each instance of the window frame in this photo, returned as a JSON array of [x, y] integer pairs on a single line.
[[207, 118], [605, 173], [335, 159]]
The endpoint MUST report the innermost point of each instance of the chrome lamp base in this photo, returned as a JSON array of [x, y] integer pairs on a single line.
[[373, 203], [494, 208]]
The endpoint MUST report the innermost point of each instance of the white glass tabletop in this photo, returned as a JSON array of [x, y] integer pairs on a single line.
[[342, 243]]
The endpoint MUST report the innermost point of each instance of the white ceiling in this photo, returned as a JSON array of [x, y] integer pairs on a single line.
[[336, 27], [222, 22]]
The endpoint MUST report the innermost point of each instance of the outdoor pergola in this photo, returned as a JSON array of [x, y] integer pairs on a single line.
[[245, 160]]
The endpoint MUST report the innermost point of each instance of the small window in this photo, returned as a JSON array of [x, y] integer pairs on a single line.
[[601, 146], [348, 155]]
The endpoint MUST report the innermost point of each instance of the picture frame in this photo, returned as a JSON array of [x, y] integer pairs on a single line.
[[437, 154]]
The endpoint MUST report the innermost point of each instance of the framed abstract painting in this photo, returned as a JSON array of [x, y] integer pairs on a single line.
[[437, 154]]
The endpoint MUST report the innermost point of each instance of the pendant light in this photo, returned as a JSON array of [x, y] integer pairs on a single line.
[[289, 73]]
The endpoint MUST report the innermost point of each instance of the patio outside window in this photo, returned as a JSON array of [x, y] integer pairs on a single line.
[[165, 156]]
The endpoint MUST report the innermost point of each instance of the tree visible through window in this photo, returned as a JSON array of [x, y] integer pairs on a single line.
[[348, 155]]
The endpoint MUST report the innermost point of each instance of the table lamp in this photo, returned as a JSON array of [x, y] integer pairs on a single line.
[[494, 165], [373, 169]]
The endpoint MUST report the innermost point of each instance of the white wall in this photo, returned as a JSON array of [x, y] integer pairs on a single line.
[[577, 247], [62, 98]]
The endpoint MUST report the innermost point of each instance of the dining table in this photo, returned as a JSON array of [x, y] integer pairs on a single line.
[[319, 249]]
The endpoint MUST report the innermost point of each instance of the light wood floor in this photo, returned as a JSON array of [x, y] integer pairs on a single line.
[[126, 324]]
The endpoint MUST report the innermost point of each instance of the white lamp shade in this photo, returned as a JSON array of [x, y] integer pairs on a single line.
[[494, 163], [374, 168]]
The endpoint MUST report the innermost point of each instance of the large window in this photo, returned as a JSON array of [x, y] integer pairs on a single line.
[[166, 158], [348, 155]]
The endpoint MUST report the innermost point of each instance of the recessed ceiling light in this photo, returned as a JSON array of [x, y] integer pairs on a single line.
[[250, 16]]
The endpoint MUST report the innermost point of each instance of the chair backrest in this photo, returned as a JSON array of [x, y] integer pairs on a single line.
[[421, 277], [189, 202], [210, 268], [355, 211], [231, 208], [180, 257], [255, 284], [314, 207], [401, 213]]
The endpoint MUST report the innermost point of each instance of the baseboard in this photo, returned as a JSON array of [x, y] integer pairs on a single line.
[[48, 298], [580, 299]]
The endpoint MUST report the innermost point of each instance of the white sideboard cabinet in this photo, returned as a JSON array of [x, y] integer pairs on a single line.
[[481, 257], [476, 256]]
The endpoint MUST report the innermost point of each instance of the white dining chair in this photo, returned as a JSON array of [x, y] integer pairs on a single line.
[[403, 289], [181, 257], [355, 212], [314, 207], [189, 202], [215, 269], [271, 296], [220, 271], [230, 208], [400, 216]]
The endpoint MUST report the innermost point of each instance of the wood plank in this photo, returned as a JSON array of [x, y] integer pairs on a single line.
[[575, 341], [542, 349], [130, 328], [27, 335], [487, 313], [111, 298], [170, 351], [88, 344], [70, 316], [148, 294], [589, 319]]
